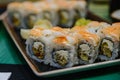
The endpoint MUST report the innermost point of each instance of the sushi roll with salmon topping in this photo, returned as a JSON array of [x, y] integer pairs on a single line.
[[109, 46], [88, 45], [38, 45], [64, 52]]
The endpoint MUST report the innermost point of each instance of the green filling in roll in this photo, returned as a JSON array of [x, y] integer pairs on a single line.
[[38, 50], [16, 19], [61, 57], [83, 52], [30, 20], [47, 16], [106, 48], [64, 16]]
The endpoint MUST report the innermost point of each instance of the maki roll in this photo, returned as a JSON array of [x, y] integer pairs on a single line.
[[48, 12], [29, 20], [65, 14], [65, 18], [109, 46], [87, 47], [64, 54], [14, 15], [50, 16], [38, 45], [35, 49], [29, 14], [79, 9]]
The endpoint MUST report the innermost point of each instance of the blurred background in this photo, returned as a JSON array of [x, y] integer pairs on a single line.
[[102, 8]]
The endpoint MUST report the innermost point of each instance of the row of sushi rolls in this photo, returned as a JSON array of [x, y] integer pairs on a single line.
[[83, 41]]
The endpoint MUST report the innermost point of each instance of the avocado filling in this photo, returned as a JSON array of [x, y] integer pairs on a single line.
[[38, 49], [107, 48], [31, 21], [83, 52], [16, 19], [61, 57], [47, 16], [63, 16]]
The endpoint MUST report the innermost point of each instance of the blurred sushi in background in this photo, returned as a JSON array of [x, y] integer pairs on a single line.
[[14, 14], [62, 12]]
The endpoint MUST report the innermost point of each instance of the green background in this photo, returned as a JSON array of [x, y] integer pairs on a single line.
[[9, 53]]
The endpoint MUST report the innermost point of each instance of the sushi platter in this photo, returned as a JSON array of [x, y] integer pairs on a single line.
[[57, 45]]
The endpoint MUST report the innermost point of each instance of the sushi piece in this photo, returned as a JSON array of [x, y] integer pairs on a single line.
[[80, 10], [64, 52], [65, 14], [88, 45], [22, 15], [14, 15], [38, 45], [48, 11], [65, 17], [30, 20], [109, 46], [29, 14], [35, 49]]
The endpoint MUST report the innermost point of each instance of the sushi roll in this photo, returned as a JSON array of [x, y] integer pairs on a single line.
[[38, 45], [49, 12], [109, 46], [87, 47], [22, 15], [35, 49], [80, 10], [29, 14], [50, 16], [118, 26], [14, 15], [65, 14], [30, 20], [64, 52]]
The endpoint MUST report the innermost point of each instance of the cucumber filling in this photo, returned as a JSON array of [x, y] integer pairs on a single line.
[[31, 21], [107, 48], [83, 52], [38, 50], [61, 57], [16, 19], [64, 17], [47, 16]]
